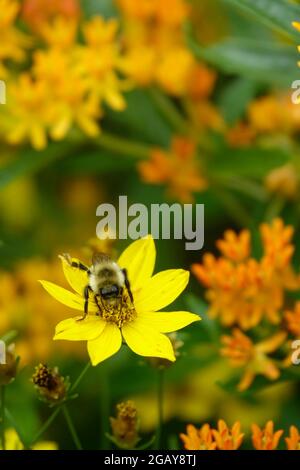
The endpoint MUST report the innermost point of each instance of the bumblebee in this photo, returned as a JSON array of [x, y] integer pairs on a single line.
[[106, 282]]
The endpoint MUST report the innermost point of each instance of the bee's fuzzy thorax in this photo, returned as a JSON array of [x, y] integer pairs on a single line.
[[103, 274]]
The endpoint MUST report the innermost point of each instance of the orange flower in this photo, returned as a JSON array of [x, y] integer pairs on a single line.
[[235, 246], [226, 438], [265, 439], [241, 135], [178, 169], [37, 12], [242, 352], [202, 81], [242, 290], [293, 441], [292, 319], [198, 439]]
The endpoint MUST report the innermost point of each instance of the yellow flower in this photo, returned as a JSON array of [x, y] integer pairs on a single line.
[[253, 357], [198, 439], [28, 112], [265, 439], [13, 442], [13, 42], [226, 438], [139, 324], [293, 441], [284, 181]]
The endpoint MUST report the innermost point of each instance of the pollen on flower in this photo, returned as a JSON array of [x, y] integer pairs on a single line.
[[119, 313]]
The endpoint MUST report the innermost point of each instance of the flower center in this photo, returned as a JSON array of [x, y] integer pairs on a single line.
[[118, 311]]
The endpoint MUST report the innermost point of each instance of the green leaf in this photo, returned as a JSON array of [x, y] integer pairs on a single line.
[[240, 92], [104, 8], [278, 14], [265, 62], [141, 118], [28, 161], [254, 162]]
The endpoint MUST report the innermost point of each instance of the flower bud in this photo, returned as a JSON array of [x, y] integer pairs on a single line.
[[125, 426], [51, 386]]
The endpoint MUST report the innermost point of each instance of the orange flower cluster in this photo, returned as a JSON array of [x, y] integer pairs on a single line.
[[242, 290], [224, 438], [254, 358], [179, 169]]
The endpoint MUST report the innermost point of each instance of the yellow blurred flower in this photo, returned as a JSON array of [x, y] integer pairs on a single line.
[[293, 441], [68, 83], [226, 438], [125, 426], [283, 181], [13, 42], [253, 358], [138, 323], [273, 114], [266, 438], [155, 45], [198, 439], [13, 442], [178, 169], [243, 291]]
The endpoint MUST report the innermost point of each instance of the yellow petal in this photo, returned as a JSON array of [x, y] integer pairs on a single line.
[[161, 290], [139, 260], [167, 322], [147, 341], [74, 329], [45, 445], [106, 345], [66, 297], [77, 278]]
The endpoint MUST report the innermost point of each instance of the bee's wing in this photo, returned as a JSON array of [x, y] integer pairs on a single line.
[[100, 258]]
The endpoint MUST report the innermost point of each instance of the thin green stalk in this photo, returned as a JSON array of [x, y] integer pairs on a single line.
[[59, 407], [160, 407], [122, 146], [45, 425], [169, 111], [80, 377], [2, 415], [15, 425], [104, 407], [71, 428]]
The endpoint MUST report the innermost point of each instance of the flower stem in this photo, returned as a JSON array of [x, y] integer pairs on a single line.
[[2, 415], [80, 377], [59, 407], [45, 425], [121, 146], [71, 427], [169, 111], [104, 407], [160, 405]]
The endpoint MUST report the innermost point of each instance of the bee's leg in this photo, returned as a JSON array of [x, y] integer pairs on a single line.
[[127, 285], [100, 307], [121, 300], [80, 266], [86, 302]]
